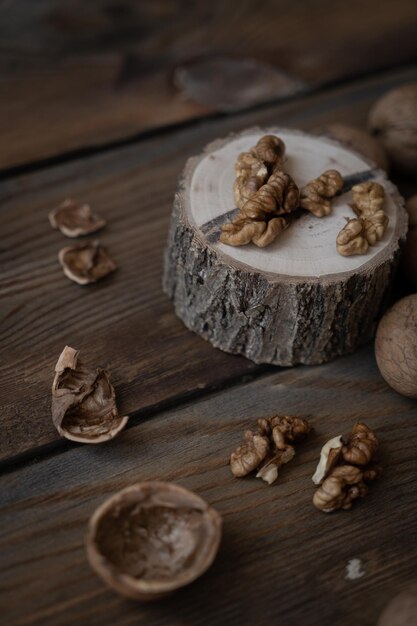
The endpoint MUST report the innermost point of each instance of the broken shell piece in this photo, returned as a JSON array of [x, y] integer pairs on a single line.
[[152, 538], [329, 456], [74, 219], [86, 262], [83, 401]]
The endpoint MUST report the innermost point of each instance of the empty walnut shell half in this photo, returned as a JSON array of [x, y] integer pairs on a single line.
[[86, 262], [83, 401], [74, 219], [152, 538]]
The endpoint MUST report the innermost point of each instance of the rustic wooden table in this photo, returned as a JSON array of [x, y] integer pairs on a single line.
[[104, 101]]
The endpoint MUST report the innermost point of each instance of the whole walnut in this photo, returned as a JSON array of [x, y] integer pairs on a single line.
[[402, 609], [409, 255], [357, 139], [393, 120], [396, 346]]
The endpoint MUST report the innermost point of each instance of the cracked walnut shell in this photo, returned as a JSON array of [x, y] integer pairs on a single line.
[[152, 538], [316, 195], [74, 219], [86, 263], [83, 401]]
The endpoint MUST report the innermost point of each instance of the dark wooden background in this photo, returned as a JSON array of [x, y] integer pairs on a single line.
[[104, 101]]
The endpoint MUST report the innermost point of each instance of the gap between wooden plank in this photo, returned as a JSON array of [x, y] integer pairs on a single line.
[[79, 73], [157, 131], [59, 446]]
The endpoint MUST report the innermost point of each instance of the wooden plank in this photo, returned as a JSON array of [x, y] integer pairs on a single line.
[[125, 322], [79, 74], [281, 561]]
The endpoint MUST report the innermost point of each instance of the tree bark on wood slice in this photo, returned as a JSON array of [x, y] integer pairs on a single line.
[[298, 300]]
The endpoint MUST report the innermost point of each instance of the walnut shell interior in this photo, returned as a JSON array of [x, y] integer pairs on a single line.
[[152, 538], [84, 405], [74, 219], [86, 263]]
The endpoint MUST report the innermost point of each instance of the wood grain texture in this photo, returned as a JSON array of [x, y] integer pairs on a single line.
[[124, 323], [280, 561], [77, 74]]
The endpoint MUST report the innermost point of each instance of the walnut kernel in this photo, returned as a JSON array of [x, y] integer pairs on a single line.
[[361, 445], [351, 239], [393, 120], [260, 220], [271, 150], [248, 456], [316, 195], [279, 196], [251, 173], [269, 448], [243, 230], [340, 480], [368, 198]]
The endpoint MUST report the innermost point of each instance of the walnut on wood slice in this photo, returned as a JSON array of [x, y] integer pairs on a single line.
[[152, 538], [84, 401], [297, 300]]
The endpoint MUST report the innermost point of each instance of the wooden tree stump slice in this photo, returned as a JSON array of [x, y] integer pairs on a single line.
[[297, 300]]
